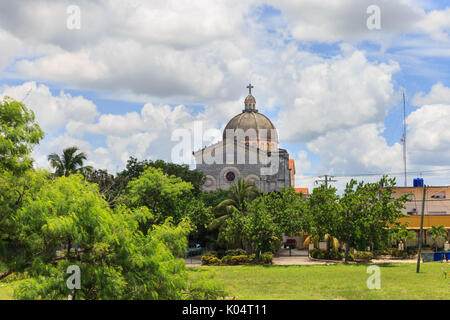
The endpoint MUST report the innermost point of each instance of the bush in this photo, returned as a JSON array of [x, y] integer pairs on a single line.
[[411, 251], [266, 258], [363, 255], [241, 259], [403, 254], [329, 255], [381, 252], [228, 260], [211, 253], [209, 260], [235, 252]]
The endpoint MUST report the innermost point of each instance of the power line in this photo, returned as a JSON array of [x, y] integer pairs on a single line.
[[410, 173]]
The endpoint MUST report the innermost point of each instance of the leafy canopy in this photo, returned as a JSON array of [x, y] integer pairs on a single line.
[[66, 222], [18, 133]]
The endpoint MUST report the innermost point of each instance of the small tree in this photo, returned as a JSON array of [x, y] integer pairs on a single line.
[[165, 196], [367, 211], [116, 259], [437, 233], [71, 161], [240, 194], [18, 134], [403, 234], [321, 214]]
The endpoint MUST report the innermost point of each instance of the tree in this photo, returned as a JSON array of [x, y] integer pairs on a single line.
[[116, 260], [403, 234], [436, 233], [164, 195], [288, 210], [18, 134], [240, 194], [366, 214], [108, 185], [321, 213], [135, 168], [266, 219], [69, 162]]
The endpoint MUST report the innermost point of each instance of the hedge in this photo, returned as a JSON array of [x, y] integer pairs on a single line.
[[210, 258]]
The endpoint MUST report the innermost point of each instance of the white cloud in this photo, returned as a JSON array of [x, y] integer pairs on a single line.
[[438, 94], [436, 23], [346, 20], [358, 150], [302, 165], [429, 135], [52, 112], [11, 47], [343, 92]]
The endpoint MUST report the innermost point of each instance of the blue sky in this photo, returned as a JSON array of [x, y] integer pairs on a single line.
[[136, 71]]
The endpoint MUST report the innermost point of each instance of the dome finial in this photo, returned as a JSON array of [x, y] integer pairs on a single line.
[[250, 101]]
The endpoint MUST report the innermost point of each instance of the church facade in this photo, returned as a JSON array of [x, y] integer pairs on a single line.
[[249, 150]]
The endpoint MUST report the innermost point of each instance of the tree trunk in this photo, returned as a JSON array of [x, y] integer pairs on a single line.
[[347, 248]]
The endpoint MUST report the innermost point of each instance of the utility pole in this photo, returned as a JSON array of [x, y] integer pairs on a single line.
[[326, 178], [403, 139], [419, 252]]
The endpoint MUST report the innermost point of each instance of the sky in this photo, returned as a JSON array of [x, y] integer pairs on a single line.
[[117, 78]]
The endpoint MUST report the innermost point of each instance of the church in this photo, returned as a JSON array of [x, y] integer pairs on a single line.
[[249, 150]]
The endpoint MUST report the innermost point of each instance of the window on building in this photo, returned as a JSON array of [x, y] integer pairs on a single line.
[[438, 195]]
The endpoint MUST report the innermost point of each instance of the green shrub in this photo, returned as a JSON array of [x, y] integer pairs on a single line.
[[329, 255], [235, 252], [243, 258], [210, 260], [227, 260], [403, 254], [266, 258], [211, 253], [411, 251], [381, 252], [363, 255]]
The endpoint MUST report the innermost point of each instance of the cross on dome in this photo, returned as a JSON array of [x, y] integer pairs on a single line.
[[250, 87]]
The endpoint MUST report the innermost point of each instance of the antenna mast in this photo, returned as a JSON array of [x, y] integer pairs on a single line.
[[403, 139]]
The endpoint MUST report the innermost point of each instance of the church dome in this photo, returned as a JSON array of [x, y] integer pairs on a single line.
[[250, 118]]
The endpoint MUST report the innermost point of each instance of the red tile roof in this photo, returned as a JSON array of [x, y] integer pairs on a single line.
[[303, 191]]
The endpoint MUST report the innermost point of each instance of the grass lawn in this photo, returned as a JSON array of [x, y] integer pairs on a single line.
[[398, 281]]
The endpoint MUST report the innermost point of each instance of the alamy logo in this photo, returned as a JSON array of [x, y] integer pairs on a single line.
[[74, 280], [74, 17], [374, 281], [374, 20]]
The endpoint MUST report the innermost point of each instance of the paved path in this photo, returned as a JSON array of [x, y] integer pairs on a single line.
[[298, 261], [300, 258]]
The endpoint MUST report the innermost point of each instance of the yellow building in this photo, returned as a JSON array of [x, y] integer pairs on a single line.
[[437, 210]]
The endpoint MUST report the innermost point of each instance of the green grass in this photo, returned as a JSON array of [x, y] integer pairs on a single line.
[[398, 281]]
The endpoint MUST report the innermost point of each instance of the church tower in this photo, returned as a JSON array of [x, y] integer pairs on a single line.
[[253, 141]]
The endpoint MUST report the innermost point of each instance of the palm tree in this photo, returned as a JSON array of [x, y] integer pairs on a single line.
[[403, 234], [334, 242], [241, 193], [69, 162], [436, 233]]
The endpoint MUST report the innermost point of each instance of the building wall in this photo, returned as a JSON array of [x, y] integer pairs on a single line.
[[216, 173], [433, 205], [436, 213]]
